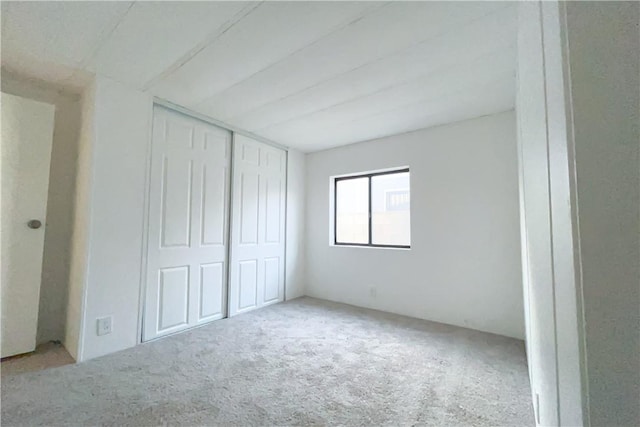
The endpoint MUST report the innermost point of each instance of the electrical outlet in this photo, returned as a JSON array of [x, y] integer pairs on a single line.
[[104, 325], [373, 292]]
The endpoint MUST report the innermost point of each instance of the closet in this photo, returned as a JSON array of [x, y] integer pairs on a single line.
[[215, 239]]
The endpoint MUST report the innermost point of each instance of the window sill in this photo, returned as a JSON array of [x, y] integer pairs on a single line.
[[370, 247]]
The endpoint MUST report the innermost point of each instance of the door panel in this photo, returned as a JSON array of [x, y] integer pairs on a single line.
[[248, 284], [174, 298], [27, 134], [214, 193], [250, 153], [271, 278], [176, 201], [211, 290], [249, 185], [257, 229], [272, 219], [188, 224]]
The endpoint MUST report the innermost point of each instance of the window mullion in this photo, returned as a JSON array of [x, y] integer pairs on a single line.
[[335, 211], [370, 215]]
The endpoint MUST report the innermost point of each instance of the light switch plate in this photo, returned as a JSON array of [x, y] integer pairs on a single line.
[[104, 325]]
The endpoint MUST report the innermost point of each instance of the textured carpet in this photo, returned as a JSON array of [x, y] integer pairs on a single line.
[[304, 362]]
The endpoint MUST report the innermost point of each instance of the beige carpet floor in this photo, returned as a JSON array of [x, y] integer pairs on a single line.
[[48, 355], [303, 362]]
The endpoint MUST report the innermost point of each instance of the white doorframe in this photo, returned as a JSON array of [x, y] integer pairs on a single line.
[[145, 228]]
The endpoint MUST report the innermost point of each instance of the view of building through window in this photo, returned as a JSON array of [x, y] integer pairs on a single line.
[[373, 209], [390, 220]]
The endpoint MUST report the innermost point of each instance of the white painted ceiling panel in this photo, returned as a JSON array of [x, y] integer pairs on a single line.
[[269, 33], [49, 39], [493, 98], [311, 75], [455, 47], [429, 99], [171, 29], [391, 28], [434, 86]]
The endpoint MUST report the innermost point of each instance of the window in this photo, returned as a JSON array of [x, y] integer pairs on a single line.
[[373, 209]]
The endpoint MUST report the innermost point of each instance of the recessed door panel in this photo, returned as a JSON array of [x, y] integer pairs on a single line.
[[249, 194], [248, 284], [213, 213], [174, 297], [271, 279], [250, 154], [211, 290], [176, 201], [188, 220], [272, 211]]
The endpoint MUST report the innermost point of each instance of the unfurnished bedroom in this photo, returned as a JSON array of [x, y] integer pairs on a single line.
[[327, 213]]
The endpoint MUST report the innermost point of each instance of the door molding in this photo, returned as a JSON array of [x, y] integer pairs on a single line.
[[145, 229]]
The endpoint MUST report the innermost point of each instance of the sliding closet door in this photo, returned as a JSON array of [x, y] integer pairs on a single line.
[[188, 222], [257, 226]]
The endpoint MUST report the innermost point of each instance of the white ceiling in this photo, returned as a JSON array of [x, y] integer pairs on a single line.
[[310, 75]]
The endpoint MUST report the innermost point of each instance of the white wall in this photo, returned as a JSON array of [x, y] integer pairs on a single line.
[[59, 219], [109, 219], [603, 55], [295, 255], [113, 203], [463, 267]]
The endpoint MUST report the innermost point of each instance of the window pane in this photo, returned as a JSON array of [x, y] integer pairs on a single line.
[[352, 210], [391, 219]]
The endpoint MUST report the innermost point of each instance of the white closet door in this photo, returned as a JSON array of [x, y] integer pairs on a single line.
[[188, 223], [257, 226]]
